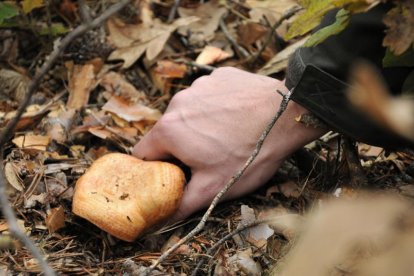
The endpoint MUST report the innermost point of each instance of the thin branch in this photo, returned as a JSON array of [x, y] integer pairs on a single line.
[[276, 25], [85, 11], [212, 249], [8, 130], [231, 39], [232, 181], [173, 11]]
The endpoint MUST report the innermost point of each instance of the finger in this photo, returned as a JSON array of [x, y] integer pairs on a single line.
[[150, 148], [197, 195]]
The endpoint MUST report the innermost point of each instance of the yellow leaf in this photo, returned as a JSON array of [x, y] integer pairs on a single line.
[[29, 5], [315, 10]]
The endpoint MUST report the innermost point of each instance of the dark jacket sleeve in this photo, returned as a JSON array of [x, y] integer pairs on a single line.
[[318, 76]]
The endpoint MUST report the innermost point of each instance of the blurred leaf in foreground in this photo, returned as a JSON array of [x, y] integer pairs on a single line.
[[7, 11]]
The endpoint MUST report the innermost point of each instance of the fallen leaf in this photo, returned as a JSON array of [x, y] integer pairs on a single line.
[[132, 41], [29, 5], [210, 55], [256, 235], [400, 27], [204, 29], [130, 113], [270, 9], [3, 226], [282, 221], [170, 69], [356, 236], [32, 142], [164, 72], [280, 61], [244, 262], [80, 85], [11, 176], [116, 84], [13, 84], [250, 32], [182, 249], [55, 220], [368, 150], [8, 10], [34, 199], [59, 124]]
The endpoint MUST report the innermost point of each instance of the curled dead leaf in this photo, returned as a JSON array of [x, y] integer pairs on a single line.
[[11, 176], [131, 112]]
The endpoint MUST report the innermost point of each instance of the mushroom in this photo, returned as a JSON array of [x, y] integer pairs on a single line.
[[125, 196]]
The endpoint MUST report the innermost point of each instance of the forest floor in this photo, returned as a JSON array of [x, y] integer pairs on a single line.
[[103, 95]]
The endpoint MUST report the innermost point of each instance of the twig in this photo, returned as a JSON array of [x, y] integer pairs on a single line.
[[276, 25], [206, 68], [85, 11], [211, 251], [173, 11], [234, 179], [230, 38], [8, 130]]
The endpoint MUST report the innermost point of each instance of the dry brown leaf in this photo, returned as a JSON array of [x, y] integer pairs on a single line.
[[243, 260], [100, 132], [116, 84], [270, 9], [55, 220], [400, 22], [204, 29], [368, 150], [182, 249], [256, 235], [130, 113], [371, 235], [13, 84], [11, 176], [32, 142], [169, 69], [250, 32], [283, 221], [164, 73], [59, 124], [280, 60], [80, 85], [210, 55], [132, 41]]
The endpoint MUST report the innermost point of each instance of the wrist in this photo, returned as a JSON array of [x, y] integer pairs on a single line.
[[292, 134]]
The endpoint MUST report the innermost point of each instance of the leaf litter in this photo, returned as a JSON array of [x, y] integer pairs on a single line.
[[94, 102]]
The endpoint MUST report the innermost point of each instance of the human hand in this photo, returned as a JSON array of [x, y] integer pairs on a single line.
[[213, 127]]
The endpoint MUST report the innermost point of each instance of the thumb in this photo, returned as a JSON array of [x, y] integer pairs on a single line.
[[150, 148]]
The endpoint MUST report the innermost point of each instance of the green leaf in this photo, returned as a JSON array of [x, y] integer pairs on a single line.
[[54, 30], [7, 11], [342, 20], [406, 59], [315, 10]]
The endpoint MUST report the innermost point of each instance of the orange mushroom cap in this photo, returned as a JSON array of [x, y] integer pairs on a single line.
[[124, 195]]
